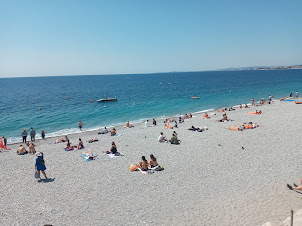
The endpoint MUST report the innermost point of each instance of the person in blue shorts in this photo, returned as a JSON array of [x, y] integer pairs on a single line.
[[40, 164]]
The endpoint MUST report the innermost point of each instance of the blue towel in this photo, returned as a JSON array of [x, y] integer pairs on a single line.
[[87, 159]]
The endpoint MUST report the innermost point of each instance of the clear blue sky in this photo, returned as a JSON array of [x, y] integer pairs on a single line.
[[70, 37]]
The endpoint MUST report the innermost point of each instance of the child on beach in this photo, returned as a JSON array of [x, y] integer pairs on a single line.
[[40, 164]]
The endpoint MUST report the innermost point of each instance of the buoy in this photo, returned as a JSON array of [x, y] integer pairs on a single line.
[[134, 102], [19, 96], [67, 97], [259, 92], [230, 91], [91, 101], [36, 98], [40, 108]]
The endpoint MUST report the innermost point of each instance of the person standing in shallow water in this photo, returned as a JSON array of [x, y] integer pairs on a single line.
[[43, 134], [32, 134], [40, 164], [80, 125], [24, 135]]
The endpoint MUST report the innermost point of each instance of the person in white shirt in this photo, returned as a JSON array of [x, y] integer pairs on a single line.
[[147, 123], [161, 138]]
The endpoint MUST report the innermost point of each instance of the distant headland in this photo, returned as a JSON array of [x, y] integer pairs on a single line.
[[265, 68]]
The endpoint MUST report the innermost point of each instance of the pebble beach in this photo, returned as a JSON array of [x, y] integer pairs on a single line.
[[214, 177]]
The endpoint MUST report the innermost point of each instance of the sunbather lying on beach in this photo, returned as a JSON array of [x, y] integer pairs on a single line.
[[90, 155], [61, 139], [21, 150], [93, 140], [206, 115], [295, 187], [249, 125], [195, 129], [254, 113], [105, 130], [167, 126]]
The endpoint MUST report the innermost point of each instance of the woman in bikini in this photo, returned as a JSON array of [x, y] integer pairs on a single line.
[[153, 163], [143, 165]]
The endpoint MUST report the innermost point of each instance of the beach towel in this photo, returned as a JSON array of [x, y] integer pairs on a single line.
[[117, 154], [2, 145], [86, 158], [74, 147]]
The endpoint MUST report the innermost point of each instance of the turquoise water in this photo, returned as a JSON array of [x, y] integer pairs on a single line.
[[154, 95]]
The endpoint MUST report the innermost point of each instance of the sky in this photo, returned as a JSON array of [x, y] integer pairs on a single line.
[[87, 37]]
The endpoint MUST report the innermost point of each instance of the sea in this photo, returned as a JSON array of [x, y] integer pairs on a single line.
[[57, 103]]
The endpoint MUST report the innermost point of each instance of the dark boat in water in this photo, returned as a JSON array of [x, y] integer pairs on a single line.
[[107, 99]]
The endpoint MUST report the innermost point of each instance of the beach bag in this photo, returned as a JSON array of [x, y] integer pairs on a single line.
[[37, 174]]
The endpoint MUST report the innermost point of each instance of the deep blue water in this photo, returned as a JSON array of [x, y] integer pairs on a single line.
[[155, 95]]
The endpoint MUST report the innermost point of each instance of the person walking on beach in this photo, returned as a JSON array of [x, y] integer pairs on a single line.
[[40, 164], [253, 102], [32, 134], [297, 94], [147, 123], [24, 135], [43, 134], [80, 125]]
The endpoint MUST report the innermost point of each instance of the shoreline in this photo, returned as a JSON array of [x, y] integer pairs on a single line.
[[118, 125]]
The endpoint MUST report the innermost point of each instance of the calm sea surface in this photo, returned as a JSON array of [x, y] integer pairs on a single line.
[[139, 97]]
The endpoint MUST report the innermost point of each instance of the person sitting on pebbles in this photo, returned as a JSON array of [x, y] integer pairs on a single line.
[[113, 132], [21, 150], [81, 145], [174, 139], [224, 118], [31, 147], [161, 138], [112, 150]]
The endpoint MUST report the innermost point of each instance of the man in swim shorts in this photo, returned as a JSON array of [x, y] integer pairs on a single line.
[[80, 125]]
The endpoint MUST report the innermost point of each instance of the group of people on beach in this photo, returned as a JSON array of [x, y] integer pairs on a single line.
[[144, 166], [32, 134]]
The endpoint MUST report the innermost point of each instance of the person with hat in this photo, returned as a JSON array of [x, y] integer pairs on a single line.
[[40, 164], [24, 135]]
